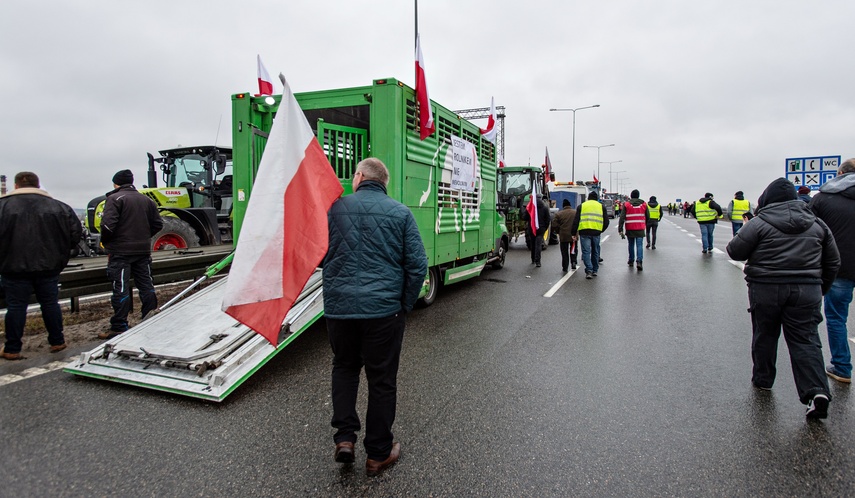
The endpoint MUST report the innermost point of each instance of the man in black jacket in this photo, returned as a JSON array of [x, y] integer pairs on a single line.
[[791, 261], [37, 234], [543, 220], [835, 204], [129, 222]]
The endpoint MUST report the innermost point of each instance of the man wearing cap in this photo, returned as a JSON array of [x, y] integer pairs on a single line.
[[737, 209], [37, 234], [654, 212], [562, 223], [706, 211], [591, 220], [804, 194], [129, 221]]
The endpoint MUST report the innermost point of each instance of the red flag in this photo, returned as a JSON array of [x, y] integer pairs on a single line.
[[595, 178], [489, 133], [547, 165], [501, 162], [426, 125], [532, 213], [285, 234], [265, 84]]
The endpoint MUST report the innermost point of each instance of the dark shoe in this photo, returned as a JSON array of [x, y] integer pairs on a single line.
[[762, 388], [572, 267], [647, 246], [832, 372], [817, 407], [58, 348], [638, 266], [588, 276], [704, 251], [109, 334], [593, 274], [344, 452], [373, 467], [630, 262], [653, 247], [12, 356], [600, 260], [537, 265]]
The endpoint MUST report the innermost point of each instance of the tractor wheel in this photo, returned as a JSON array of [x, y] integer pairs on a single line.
[[175, 234], [503, 251], [433, 287]]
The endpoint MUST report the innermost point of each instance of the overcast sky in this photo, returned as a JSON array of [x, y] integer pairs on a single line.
[[697, 96]]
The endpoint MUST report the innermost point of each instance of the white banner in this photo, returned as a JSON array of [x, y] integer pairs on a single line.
[[463, 164]]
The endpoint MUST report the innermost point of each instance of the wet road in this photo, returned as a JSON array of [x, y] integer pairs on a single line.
[[622, 385]]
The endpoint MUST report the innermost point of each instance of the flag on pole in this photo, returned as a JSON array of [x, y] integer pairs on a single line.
[[426, 124], [501, 162], [285, 234], [489, 133], [532, 214], [547, 166], [265, 84], [596, 180]]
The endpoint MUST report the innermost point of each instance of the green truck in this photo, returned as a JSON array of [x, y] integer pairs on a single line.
[[462, 231]]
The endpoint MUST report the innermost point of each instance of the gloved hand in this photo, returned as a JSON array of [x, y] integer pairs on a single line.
[[622, 236]]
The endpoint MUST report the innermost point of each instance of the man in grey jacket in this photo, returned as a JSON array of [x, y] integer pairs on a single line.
[[791, 261], [373, 272]]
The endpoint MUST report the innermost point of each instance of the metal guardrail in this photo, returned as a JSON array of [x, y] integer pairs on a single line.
[[86, 276]]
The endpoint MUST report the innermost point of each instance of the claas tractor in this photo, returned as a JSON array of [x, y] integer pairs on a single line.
[[195, 204]]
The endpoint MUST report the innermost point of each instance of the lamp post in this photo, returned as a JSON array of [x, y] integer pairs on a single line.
[[610, 171], [622, 185], [598, 147], [573, 154]]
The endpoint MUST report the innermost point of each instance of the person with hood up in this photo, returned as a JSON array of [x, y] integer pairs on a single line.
[[654, 212], [804, 194], [562, 223], [736, 210], [834, 204], [634, 216], [706, 211], [791, 261], [590, 222]]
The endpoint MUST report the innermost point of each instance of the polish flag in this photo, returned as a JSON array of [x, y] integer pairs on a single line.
[[426, 124], [547, 166], [596, 180], [501, 162], [284, 235], [265, 84], [489, 133], [532, 214]]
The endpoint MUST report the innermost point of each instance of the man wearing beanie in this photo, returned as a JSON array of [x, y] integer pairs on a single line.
[[634, 217], [791, 261], [654, 214], [737, 209], [562, 224], [804, 194], [591, 220], [834, 204], [129, 221], [706, 211]]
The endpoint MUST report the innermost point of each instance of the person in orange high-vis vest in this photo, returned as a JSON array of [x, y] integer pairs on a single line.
[[633, 217]]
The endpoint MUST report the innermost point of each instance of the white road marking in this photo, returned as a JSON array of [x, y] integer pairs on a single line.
[[32, 372], [551, 292]]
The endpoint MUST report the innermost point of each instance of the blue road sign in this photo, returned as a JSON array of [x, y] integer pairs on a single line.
[[811, 172]]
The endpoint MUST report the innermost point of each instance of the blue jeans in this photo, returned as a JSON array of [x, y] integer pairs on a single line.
[[590, 252], [837, 302], [18, 292], [706, 235], [636, 246], [736, 226]]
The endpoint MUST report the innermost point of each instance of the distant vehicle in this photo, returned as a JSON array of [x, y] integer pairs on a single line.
[[572, 191]]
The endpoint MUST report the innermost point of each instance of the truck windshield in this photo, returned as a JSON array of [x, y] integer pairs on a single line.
[[516, 183]]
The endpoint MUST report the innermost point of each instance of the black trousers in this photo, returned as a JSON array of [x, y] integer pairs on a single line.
[[651, 230], [376, 345], [536, 246], [566, 257], [796, 309], [120, 269]]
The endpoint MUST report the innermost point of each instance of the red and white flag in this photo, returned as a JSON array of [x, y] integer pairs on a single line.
[[489, 133], [284, 235], [547, 165], [426, 124], [265, 84], [501, 162], [596, 180], [532, 214]]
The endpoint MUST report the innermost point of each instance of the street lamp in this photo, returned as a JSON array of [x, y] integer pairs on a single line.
[[611, 172], [573, 154], [598, 147]]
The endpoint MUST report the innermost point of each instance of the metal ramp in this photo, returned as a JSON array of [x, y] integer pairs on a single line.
[[195, 349]]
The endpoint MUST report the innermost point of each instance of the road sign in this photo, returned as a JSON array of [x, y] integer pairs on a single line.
[[811, 171]]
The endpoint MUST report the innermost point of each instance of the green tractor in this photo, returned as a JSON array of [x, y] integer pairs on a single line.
[[195, 203], [515, 186]]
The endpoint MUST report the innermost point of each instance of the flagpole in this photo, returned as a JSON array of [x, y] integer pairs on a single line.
[[416, 38]]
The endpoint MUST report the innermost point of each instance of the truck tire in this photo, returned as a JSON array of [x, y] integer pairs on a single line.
[[175, 234], [503, 251], [433, 287]]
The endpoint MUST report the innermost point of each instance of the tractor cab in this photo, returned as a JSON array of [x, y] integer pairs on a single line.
[[206, 173]]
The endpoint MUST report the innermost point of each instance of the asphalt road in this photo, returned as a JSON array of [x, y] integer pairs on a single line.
[[631, 384]]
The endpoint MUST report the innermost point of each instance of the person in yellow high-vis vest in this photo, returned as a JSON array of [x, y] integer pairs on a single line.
[[591, 220], [707, 211], [736, 210]]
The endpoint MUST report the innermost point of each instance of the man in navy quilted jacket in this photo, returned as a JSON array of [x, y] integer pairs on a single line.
[[373, 272]]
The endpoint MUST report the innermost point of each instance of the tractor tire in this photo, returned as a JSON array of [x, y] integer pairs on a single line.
[[175, 234], [433, 287]]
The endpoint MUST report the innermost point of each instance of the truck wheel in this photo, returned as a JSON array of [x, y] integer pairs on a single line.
[[433, 287], [175, 234], [503, 251]]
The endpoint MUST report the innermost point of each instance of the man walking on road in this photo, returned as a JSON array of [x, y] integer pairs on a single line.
[[654, 214], [562, 223], [37, 234], [835, 205], [634, 217], [129, 222], [706, 211], [373, 273], [736, 209], [536, 227], [791, 261], [590, 221]]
